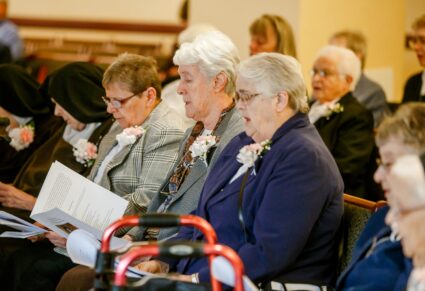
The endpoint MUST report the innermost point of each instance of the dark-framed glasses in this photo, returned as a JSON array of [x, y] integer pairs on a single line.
[[412, 41], [117, 102]]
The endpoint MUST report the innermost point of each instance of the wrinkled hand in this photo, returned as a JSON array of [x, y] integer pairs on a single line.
[[412, 232], [127, 237], [56, 239], [153, 267], [12, 197]]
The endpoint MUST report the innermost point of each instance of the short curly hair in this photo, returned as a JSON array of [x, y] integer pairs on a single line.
[[408, 122]]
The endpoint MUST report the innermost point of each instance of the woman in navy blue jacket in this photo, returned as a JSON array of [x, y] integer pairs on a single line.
[[291, 188]]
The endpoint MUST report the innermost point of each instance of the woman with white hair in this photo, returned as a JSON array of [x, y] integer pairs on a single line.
[[344, 124], [268, 195]]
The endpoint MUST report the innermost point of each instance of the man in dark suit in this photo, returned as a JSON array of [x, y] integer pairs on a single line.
[[414, 90], [369, 93], [343, 123]]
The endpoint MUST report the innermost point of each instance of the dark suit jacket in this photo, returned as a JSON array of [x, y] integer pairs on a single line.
[[412, 89], [349, 137], [385, 268], [292, 208]]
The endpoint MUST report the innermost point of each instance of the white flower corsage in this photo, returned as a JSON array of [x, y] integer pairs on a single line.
[[201, 146], [85, 152], [333, 109], [248, 155], [21, 137], [129, 135]]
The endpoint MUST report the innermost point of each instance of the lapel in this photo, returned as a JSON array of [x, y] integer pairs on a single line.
[[122, 155], [107, 143], [322, 121], [198, 171], [360, 254]]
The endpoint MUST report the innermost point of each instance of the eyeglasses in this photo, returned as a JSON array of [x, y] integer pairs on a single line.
[[117, 102], [244, 97], [322, 73], [412, 41]]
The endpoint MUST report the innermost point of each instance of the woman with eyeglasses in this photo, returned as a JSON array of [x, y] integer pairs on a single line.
[[414, 89], [274, 194], [28, 120], [378, 252], [132, 161]]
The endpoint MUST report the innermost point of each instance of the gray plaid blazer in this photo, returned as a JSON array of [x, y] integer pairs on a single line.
[[137, 171], [186, 198]]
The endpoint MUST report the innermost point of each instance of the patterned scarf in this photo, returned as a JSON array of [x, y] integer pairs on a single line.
[[186, 162]]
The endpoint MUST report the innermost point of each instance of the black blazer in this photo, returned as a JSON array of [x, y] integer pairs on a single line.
[[412, 89], [349, 137]]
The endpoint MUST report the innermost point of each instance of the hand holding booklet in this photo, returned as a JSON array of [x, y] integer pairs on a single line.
[[68, 201]]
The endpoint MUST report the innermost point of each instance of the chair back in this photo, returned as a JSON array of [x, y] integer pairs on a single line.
[[357, 212]]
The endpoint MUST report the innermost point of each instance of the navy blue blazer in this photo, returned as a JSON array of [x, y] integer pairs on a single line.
[[292, 208], [384, 268]]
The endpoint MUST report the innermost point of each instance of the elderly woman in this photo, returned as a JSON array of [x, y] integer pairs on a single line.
[[31, 120], [378, 252], [217, 117], [76, 91], [283, 171], [344, 124], [141, 146], [272, 33]]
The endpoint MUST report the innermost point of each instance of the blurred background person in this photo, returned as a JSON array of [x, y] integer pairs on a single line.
[[9, 34], [414, 90], [344, 124], [369, 93], [378, 252], [31, 118], [272, 33]]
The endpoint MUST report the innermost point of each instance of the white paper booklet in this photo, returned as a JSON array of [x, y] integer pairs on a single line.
[[82, 247], [24, 228], [68, 201]]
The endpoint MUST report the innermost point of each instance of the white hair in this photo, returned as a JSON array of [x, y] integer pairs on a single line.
[[273, 73], [346, 61], [213, 52], [192, 31]]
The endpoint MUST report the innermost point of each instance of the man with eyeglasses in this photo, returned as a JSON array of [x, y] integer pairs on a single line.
[[414, 90], [344, 124]]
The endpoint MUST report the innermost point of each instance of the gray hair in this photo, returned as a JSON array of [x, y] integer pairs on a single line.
[[346, 61], [213, 52], [137, 73], [273, 73]]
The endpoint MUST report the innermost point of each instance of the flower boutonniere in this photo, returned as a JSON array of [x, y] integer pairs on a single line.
[[250, 153], [202, 145], [21, 137], [333, 109], [129, 135], [85, 152]]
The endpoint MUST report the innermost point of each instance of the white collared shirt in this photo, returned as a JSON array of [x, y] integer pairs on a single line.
[[319, 110]]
